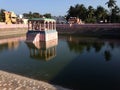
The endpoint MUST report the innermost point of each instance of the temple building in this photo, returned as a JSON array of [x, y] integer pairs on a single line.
[[41, 29], [74, 20], [42, 38], [10, 17]]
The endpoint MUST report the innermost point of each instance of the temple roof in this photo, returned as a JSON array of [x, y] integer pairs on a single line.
[[41, 19]]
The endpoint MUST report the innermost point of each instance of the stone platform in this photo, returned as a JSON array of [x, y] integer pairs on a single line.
[[9, 81]]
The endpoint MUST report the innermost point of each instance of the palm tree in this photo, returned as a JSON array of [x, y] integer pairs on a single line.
[[111, 4], [100, 13], [90, 12], [82, 12], [77, 11], [71, 11], [107, 55], [115, 13], [90, 15]]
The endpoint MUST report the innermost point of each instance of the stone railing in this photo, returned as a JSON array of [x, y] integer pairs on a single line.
[[3, 26], [78, 26]]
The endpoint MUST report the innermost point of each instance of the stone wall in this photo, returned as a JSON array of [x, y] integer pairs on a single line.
[[109, 30], [4, 33], [8, 30], [5, 26]]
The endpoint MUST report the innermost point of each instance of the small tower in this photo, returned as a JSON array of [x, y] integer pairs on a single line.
[[41, 29]]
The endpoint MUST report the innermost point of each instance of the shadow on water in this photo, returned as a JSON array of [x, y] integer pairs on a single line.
[[87, 71], [79, 45], [73, 62]]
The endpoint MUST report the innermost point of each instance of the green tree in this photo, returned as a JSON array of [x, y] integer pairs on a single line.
[[30, 15], [26, 15], [36, 15], [77, 11], [101, 13], [90, 15], [71, 11], [115, 14], [82, 12], [2, 15], [90, 12], [47, 15], [111, 4]]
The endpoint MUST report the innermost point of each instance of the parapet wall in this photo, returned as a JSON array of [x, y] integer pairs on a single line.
[[9, 30], [109, 30], [81, 29], [79, 26], [5, 26]]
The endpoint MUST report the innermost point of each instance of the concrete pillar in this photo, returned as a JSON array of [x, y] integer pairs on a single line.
[[48, 26], [52, 25], [44, 26], [40, 25], [28, 25]]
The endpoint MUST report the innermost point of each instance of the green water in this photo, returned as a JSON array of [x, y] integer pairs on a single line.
[[73, 62]]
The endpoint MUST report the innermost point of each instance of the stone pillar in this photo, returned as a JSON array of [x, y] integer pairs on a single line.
[[54, 25], [40, 26], [32, 25], [48, 26], [51, 25], [28, 25], [44, 26]]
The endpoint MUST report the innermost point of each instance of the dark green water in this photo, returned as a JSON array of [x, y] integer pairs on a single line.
[[74, 62]]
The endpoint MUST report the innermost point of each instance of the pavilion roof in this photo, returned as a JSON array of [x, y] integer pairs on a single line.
[[41, 19]]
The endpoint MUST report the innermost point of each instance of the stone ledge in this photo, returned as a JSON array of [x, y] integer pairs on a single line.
[[10, 81]]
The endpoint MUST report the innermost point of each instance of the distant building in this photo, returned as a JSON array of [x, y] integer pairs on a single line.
[[25, 21], [60, 19], [20, 16], [22, 20], [74, 20], [10, 17]]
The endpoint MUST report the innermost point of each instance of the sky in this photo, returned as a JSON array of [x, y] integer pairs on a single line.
[[55, 7]]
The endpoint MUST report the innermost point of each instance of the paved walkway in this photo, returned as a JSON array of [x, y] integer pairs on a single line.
[[9, 81]]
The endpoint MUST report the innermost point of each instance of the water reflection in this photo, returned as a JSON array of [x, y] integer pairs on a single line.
[[80, 63], [10, 43], [79, 45], [42, 50], [107, 55]]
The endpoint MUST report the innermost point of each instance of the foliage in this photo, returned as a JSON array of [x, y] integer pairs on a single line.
[[47, 15], [77, 11], [100, 13], [91, 15], [2, 17], [114, 11], [111, 3], [86, 14], [31, 15], [36, 15]]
